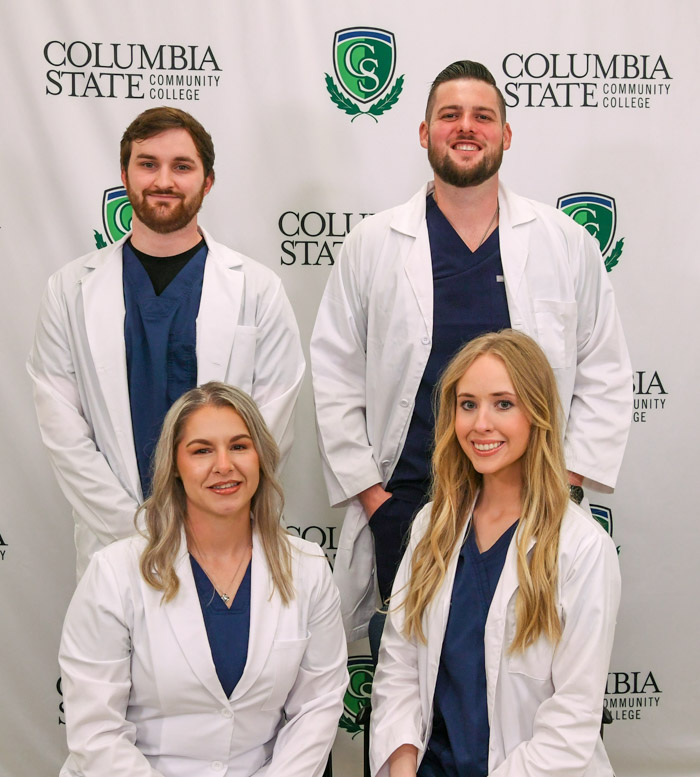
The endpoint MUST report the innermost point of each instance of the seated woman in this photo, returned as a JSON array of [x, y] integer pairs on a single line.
[[213, 643], [496, 649]]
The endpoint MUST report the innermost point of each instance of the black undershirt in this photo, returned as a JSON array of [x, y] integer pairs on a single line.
[[162, 269]]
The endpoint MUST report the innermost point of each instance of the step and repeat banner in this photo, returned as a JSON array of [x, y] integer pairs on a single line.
[[603, 100]]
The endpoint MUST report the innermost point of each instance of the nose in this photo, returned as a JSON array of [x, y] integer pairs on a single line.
[[163, 178], [223, 463], [484, 420], [466, 123]]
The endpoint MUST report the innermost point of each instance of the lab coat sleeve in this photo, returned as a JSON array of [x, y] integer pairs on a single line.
[[338, 366], [566, 725], [95, 660], [601, 408], [397, 717], [97, 497], [315, 703], [279, 365]]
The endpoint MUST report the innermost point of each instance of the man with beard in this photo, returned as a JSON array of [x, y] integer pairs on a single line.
[[124, 331], [463, 257]]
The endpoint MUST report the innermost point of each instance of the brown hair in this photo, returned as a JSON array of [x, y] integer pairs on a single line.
[[464, 68], [156, 120]]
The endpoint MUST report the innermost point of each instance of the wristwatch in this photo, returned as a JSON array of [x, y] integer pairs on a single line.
[[575, 493]]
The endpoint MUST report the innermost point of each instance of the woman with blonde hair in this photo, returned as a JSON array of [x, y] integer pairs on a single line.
[[211, 641], [495, 654]]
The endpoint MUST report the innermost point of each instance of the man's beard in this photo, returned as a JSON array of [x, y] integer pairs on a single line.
[[447, 170], [165, 219]]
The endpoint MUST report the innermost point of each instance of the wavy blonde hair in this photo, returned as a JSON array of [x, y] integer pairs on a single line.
[[456, 483], [166, 509]]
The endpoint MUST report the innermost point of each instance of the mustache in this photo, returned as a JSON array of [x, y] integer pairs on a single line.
[[169, 192]]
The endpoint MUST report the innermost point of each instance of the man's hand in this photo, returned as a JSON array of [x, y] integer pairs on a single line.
[[372, 498]]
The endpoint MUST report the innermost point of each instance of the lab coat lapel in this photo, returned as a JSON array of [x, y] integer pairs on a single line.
[[104, 311], [264, 616], [219, 310], [515, 215], [495, 635], [410, 221], [184, 613]]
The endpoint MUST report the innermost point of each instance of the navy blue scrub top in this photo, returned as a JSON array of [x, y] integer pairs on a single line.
[[459, 743], [161, 341], [228, 628], [469, 299]]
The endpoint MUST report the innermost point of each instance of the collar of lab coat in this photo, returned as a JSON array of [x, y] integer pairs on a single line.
[[185, 615], [103, 305], [494, 637], [515, 215]]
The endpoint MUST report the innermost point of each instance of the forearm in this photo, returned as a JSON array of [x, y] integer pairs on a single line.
[[403, 762]]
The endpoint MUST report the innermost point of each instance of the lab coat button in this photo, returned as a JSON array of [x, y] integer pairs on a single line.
[[404, 403], [217, 766], [425, 341], [386, 463], [226, 713]]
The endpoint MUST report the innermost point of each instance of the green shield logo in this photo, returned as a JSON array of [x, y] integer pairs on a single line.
[[604, 517], [361, 671], [595, 212], [116, 213], [364, 59]]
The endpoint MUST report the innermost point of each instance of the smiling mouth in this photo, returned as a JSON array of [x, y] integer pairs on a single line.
[[487, 447], [463, 146], [225, 488]]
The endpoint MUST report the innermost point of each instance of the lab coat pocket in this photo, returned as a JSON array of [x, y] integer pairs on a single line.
[[242, 362], [535, 661], [556, 331], [285, 658]]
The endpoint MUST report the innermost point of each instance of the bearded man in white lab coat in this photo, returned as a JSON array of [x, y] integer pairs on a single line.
[[412, 284], [124, 331]]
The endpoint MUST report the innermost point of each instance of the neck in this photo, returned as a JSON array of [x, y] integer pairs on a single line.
[[170, 244], [472, 210], [219, 538], [500, 497]]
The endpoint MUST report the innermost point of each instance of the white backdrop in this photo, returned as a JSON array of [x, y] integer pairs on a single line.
[[603, 98]]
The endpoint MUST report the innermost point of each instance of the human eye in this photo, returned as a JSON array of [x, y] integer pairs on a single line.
[[201, 451], [239, 446], [468, 404], [504, 404], [183, 168]]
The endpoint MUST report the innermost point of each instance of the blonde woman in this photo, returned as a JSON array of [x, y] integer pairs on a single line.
[[498, 639], [211, 644]]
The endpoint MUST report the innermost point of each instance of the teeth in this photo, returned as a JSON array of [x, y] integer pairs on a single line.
[[489, 446], [466, 147], [225, 485]]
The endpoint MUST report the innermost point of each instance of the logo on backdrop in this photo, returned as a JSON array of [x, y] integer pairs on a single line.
[[364, 60], [3, 548], [61, 710], [604, 517], [598, 214], [116, 216], [361, 671], [315, 236], [649, 394], [617, 81], [130, 71], [321, 535], [630, 695]]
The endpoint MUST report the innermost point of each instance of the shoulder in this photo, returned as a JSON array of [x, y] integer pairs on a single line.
[[120, 559], [305, 555], [582, 536], [259, 278], [71, 274]]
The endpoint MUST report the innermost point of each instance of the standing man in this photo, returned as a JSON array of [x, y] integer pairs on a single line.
[[124, 331], [464, 256]]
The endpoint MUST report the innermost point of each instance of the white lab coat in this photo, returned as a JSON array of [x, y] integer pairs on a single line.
[[141, 694], [246, 336], [544, 704], [372, 340]]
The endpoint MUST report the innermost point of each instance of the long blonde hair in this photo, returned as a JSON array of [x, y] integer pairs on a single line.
[[166, 509], [456, 483]]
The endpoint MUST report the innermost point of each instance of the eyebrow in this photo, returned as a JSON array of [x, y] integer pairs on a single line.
[[143, 155], [494, 394], [235, 438]]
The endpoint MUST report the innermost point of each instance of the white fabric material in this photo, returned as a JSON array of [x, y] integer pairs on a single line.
[[372, 340], [544, 704], [246, 335], [142, 696]]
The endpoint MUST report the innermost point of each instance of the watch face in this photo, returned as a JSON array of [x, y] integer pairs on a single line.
[[576, 494]]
